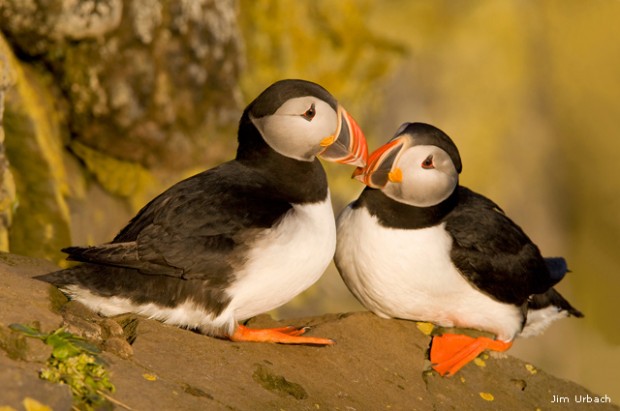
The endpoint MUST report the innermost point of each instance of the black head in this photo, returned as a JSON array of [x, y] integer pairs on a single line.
[[281, 91], [426, 134]]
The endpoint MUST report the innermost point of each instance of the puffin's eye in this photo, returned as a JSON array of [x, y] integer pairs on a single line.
[[310, 113], [428, 162]]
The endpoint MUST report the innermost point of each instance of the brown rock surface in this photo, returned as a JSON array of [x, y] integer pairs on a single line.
[[377, 364]]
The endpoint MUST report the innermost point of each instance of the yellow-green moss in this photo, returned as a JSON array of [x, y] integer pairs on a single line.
[[7, 183], [40, 225]]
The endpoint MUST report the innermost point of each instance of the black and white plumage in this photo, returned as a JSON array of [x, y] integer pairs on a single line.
[[417, 245], [236, 240]]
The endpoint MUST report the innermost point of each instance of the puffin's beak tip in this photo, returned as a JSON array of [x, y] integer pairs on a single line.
[[358, 174], [348, 145]]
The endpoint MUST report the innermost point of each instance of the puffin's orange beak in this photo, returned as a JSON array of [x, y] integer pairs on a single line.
[[348, 144], [378, 171]]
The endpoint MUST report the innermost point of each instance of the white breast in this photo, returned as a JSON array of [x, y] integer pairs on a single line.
[[287, 260], [409, 274]]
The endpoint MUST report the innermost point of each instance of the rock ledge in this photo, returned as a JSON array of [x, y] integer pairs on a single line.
[[377, 364]]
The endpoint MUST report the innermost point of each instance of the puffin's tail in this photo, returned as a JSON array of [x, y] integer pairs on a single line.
[[72, 275], [552, 298], [60, 277], [545, 308], [557, 269]]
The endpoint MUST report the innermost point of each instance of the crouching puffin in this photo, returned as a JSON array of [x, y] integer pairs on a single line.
[[237, 240], [416, 245]]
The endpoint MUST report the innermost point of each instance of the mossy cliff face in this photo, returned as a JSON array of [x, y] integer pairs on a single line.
[[105, 103], [34, 148], [156, 75], [7, 184]]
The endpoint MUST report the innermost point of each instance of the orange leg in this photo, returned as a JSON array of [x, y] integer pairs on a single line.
[[282, 335], [450, 352]]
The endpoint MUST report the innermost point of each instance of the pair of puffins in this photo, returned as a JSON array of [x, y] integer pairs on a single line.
[[247, 236]]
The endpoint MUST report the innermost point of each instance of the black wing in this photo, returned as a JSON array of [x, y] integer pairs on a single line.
[[494, 253], [198, 228]]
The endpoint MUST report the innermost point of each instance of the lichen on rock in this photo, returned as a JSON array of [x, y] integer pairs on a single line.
[[7, 183], [40, 216]]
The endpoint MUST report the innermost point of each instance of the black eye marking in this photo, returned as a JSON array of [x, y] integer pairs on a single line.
[[310, 113], [428, 162]]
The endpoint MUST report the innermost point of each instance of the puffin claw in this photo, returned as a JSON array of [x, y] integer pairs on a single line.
[[282, 335], [451, 352]]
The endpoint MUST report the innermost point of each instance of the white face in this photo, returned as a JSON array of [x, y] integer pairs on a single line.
[[428, 177], [298, 127]]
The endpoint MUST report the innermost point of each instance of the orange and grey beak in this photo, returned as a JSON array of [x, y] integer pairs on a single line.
[[348, 144], [380, 168]]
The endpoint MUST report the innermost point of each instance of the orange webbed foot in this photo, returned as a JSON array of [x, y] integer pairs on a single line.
[[282, 335], [450, 352]]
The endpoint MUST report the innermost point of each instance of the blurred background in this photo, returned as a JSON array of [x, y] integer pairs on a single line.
[[107, 103]]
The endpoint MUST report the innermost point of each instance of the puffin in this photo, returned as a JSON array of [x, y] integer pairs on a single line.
[[417, 245], [236, 240]]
